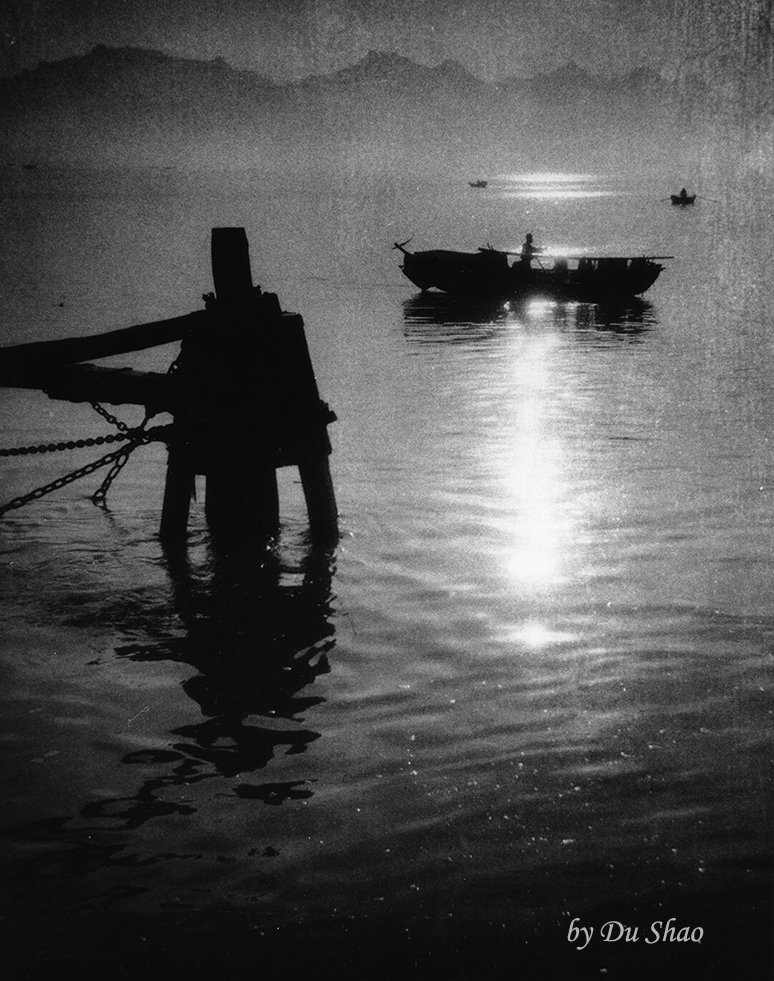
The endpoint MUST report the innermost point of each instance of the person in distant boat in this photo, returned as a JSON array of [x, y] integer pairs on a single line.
[[528, 250], [683, 194]]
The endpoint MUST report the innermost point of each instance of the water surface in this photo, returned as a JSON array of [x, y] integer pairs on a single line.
[[531, 683]]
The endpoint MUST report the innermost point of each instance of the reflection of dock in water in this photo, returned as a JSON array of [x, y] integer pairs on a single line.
[[256, 642]]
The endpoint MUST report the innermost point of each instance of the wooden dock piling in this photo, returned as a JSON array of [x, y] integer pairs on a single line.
[[243, 396], [248, 404]]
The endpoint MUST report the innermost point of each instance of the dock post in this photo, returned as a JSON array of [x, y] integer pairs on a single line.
[[178, 491], [241, 493], [247, 403], [321, 509]]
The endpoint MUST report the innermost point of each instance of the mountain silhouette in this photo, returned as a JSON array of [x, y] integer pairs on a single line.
[[136, 106]]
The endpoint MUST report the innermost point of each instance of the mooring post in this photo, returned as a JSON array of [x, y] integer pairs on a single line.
[[178, 491], [247, 404], [241, 488], [320, 499], [314, 446]]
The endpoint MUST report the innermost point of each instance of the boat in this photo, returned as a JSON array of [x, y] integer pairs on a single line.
[[683, 197], [478, 183], [494, 273]]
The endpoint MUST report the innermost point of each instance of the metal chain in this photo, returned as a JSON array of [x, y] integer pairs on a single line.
[[125, 432], [110, 418], [19, 502], [99, 495], [137, 437], [73, 444]]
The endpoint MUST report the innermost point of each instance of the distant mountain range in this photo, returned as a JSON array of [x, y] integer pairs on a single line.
[[134, 106]]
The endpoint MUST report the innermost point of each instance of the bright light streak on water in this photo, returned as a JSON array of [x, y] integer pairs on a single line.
[[549, 177], [536, 635], [533, 471], [557, 193], [549, 186]]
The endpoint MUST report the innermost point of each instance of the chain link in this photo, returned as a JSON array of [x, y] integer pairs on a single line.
[[125, 432], [118, 458], [136, 436], [110, 418], [99, 496], [19, 502], [73, 444]]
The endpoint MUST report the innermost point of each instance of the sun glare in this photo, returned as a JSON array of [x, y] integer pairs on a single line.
[[554, 186], [548, 177], [533, 634], [532, 477]]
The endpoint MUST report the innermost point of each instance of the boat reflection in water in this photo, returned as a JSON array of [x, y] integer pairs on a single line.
[[438, 317]]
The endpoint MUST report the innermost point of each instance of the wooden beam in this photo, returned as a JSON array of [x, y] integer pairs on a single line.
[[71, 350], [92, 383]]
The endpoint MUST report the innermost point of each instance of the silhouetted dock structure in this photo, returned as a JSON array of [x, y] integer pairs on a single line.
[[242, 394]]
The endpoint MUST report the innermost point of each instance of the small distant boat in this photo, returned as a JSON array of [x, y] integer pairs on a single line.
[[29, 166], [492, 273], [478, 183], [683, 197]]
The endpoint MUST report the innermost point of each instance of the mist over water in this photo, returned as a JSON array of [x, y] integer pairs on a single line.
[[533, 680]]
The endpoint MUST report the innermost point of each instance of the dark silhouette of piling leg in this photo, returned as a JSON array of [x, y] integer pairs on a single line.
[[315, 474], [178, 492], [243, 506]]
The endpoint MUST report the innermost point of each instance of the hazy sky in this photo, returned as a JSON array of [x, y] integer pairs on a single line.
[[293, 38]]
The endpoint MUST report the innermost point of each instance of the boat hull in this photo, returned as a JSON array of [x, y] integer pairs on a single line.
[[488, 274], [680, 199]]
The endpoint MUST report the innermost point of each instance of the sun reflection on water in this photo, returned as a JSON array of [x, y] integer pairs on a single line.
[[534, 634], [532, 474], [555, 186], [556, 193]]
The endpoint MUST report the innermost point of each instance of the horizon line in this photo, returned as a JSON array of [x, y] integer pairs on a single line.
[[220, 59]]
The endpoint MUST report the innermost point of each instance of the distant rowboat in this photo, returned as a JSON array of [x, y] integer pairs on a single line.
[[478, 183], [489, 273], [683, 198]]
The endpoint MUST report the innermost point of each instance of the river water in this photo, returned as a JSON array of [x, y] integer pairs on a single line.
[[530, 688]]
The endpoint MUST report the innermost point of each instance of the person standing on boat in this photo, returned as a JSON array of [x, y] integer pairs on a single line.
[[528, 250]]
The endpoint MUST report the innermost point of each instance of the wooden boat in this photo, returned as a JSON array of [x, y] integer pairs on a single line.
[[492, 273], [683, 198], [478, 183]]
